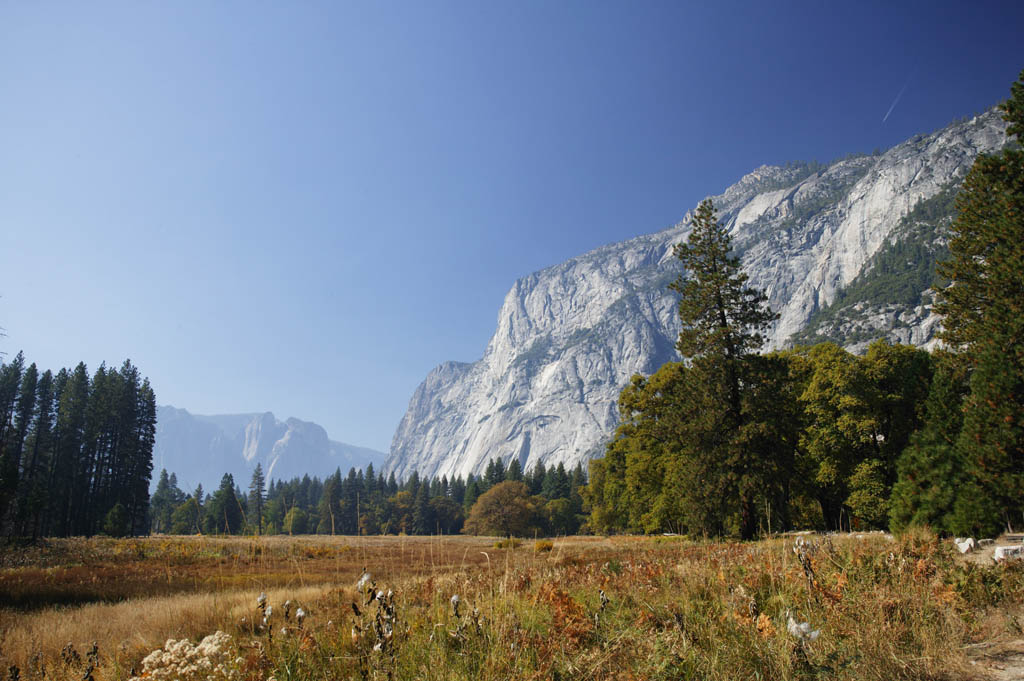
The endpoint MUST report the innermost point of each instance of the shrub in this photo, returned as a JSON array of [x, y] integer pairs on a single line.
[[115, 524]]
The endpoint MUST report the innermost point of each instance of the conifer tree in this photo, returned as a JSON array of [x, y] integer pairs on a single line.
[[983, 317], [723, 319], [10, 461], [257, 495], [930, 470], [33, 495], [66, 470], [422, 517], [224, 512]]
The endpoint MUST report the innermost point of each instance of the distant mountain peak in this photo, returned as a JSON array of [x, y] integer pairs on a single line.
[[201, 449]]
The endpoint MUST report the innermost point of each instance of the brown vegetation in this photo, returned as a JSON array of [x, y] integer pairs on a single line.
[[626, 607]]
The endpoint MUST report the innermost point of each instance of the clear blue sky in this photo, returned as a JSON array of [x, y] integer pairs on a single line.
[[303, 207]]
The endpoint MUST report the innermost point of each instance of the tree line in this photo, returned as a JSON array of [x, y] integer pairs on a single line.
[[76, 451], [543, 501], [730, 441]]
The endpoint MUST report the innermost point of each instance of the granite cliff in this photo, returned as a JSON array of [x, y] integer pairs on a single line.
[[570, 336]]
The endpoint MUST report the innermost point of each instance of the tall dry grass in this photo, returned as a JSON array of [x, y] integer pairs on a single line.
[[127, 631], [887, 609]]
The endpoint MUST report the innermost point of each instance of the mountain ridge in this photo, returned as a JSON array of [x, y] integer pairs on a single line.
[[569, 336], [200, 448]]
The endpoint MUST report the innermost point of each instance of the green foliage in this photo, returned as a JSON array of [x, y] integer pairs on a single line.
[[115, 523], [720, 314], [868, 500], [366, 503], [929, 470], [504, 510], [818, 425], [186, 518], [224, 511], [72, 448], [257, 495], [295, 522], [983, 318]]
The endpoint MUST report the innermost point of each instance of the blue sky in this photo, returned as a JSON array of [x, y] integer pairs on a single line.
[[304, 207]]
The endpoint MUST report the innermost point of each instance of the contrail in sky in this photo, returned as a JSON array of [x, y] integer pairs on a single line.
[[895, 101]]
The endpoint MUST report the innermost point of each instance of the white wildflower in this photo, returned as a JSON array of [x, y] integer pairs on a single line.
[[261, 600], [182, 661], [300, 615], [801, 630]]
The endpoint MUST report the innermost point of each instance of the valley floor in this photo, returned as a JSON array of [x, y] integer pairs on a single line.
[[580, 607]]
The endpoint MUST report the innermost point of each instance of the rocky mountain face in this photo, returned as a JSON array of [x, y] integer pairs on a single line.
[[201, 449], [570, 336]]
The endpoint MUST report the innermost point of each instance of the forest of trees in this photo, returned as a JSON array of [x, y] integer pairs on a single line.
[[541, 501], [730, 441], [76, 451]]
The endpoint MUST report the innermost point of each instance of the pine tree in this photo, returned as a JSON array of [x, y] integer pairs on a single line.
[[495, 473], [66, 472], [10, 379], [930, 471], [983, 317], [256, 496], [329, 506], [723, 319], [536, 478], [34, 493], [224, 512], [10, 462], [162, 504], [422, 518]]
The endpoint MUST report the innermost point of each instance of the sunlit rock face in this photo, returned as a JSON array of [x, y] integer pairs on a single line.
[[570, 336]]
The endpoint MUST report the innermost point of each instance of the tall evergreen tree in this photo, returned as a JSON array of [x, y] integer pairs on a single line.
[[422, 515], [495, 473], [930, 470], [33, 494], [224, 511], [257, 496], [723, 319], [515, 471], [983, 316], [536, 478], [66, 471], [10, 462]]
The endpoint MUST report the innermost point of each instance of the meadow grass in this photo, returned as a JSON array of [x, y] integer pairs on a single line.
[[584, 608]]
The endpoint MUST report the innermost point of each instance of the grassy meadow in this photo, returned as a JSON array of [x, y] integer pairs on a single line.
[[580, 608]]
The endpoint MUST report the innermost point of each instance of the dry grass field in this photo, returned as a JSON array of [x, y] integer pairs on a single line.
[[581, 608]]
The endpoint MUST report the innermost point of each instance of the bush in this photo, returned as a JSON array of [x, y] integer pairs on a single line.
[[543, 545], [115, 524]]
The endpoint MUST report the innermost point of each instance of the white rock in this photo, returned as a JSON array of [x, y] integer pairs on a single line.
[[1002, 553]]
